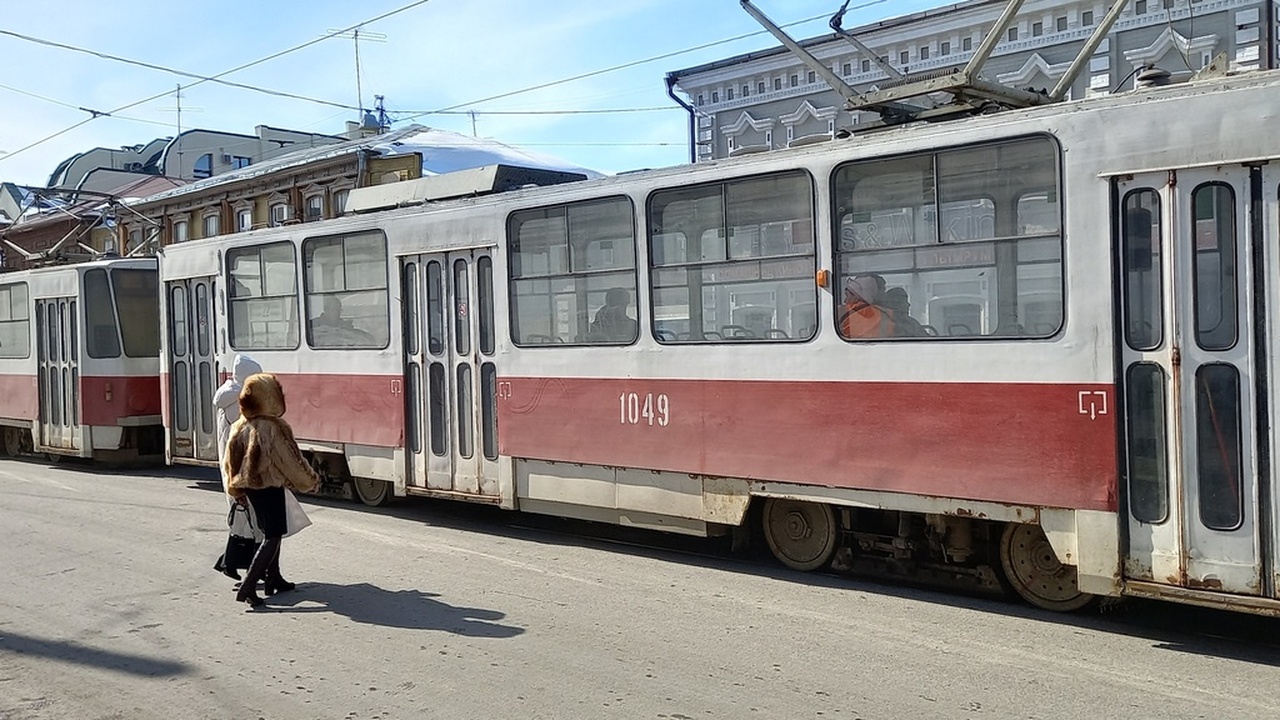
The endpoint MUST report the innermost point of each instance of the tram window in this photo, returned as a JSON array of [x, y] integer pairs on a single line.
[[959, 243], [263, 293], [412, 302], [436, 394], [734, 261], [1214, 263], [204, 327], [346, 291], [461, 317], [15, 321], [484, 278], [1218, 446], [466, 425], [489, 410], [102, 337], [1148, 453], [1141, 237], [137, 301], [178, 320], [435, 308], [573, 274]]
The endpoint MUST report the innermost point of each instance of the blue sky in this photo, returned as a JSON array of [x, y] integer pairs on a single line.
[[439, 54]]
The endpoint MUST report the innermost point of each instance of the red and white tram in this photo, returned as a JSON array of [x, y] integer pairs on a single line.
[[80, 360], [1086, 406]]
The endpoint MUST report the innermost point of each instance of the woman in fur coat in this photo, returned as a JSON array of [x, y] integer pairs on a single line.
[[260, 461], [226, 401]]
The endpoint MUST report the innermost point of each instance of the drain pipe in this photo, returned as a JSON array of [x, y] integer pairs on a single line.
[[693, 125]]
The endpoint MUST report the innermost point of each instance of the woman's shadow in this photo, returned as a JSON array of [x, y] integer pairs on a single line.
[[409, 609]]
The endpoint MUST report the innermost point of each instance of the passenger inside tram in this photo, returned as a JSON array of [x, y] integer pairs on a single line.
[[612, 323], [862, 316], [898, 304]]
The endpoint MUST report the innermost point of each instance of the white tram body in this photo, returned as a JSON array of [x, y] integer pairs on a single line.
[[80, 360], [1090, 403]]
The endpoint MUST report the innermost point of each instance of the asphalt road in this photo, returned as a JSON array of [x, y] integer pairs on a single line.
[[109, 609]]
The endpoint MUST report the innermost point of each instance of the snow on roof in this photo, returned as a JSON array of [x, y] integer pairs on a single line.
[[444, 151]]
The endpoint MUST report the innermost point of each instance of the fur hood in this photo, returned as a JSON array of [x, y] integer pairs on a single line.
[[261, 451]]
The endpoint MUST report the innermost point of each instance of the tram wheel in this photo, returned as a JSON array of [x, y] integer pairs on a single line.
[[802, 535], [372, 492], [12, 442], [1032, 569]]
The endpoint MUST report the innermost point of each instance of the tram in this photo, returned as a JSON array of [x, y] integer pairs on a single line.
[[80, 361], [1086, 411]]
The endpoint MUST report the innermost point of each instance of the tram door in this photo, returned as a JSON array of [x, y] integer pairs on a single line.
[[450, 378], [59, 373], [192, 369], [1187, 339]]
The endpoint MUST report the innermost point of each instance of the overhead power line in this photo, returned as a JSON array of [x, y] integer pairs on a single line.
[[212, 78], [631, 64], [174, 71]]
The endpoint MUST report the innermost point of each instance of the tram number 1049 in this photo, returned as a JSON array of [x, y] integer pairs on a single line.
[[650, 409]]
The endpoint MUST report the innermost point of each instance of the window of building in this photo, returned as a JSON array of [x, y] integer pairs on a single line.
[[866, 66], [1167, 4], [728, 94], [960, 243], [924, 52], [715, 96], [700, 100], [944, 48], [573, 274], [812, 77], [239, 162], [180, 231], [746, 90], [244, 219], [340, 200], [203, 167], [262, 289], [1140, 7], [795, 81], [15, 321], [210, 225], [760, 88], [314, 205], [1086, 18], [136, 292], [847, 69], [1061, 23], [279, 213], [904, 57], [966, 44], [734, 261], [1013, 34], [135, 239], [345, 286], [1037, 29]]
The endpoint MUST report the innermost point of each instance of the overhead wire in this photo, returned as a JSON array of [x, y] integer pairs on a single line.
[[213, 78], [623, 66]]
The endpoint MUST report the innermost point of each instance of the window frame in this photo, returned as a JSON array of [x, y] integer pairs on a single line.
[[307, 294], [512, 309], [297, 286], [932, 153], [723, 183], [25, 321]]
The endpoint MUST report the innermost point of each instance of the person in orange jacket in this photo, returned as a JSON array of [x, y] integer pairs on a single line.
[[860, 316]]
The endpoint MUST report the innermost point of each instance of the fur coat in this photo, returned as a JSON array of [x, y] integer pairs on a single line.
[[261, 451]]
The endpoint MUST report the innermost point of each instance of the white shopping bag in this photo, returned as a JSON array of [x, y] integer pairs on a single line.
[[295, 518]]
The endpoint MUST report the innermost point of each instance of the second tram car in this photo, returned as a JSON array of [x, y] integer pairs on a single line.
[[80, 361], [1035, 345]]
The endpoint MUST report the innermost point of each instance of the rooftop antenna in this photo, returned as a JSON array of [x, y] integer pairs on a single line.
[[177, 108], [356, 34]]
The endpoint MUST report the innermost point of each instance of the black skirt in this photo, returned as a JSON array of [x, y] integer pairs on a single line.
[[268, 506]]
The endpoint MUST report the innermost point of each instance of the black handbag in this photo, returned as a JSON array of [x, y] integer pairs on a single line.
[[240, 550]]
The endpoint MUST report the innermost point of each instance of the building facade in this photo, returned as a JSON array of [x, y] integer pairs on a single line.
[[770, 99]]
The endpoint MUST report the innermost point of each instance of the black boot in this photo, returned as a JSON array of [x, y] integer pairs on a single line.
[[221, 566], [275, 582], [261, 561]]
